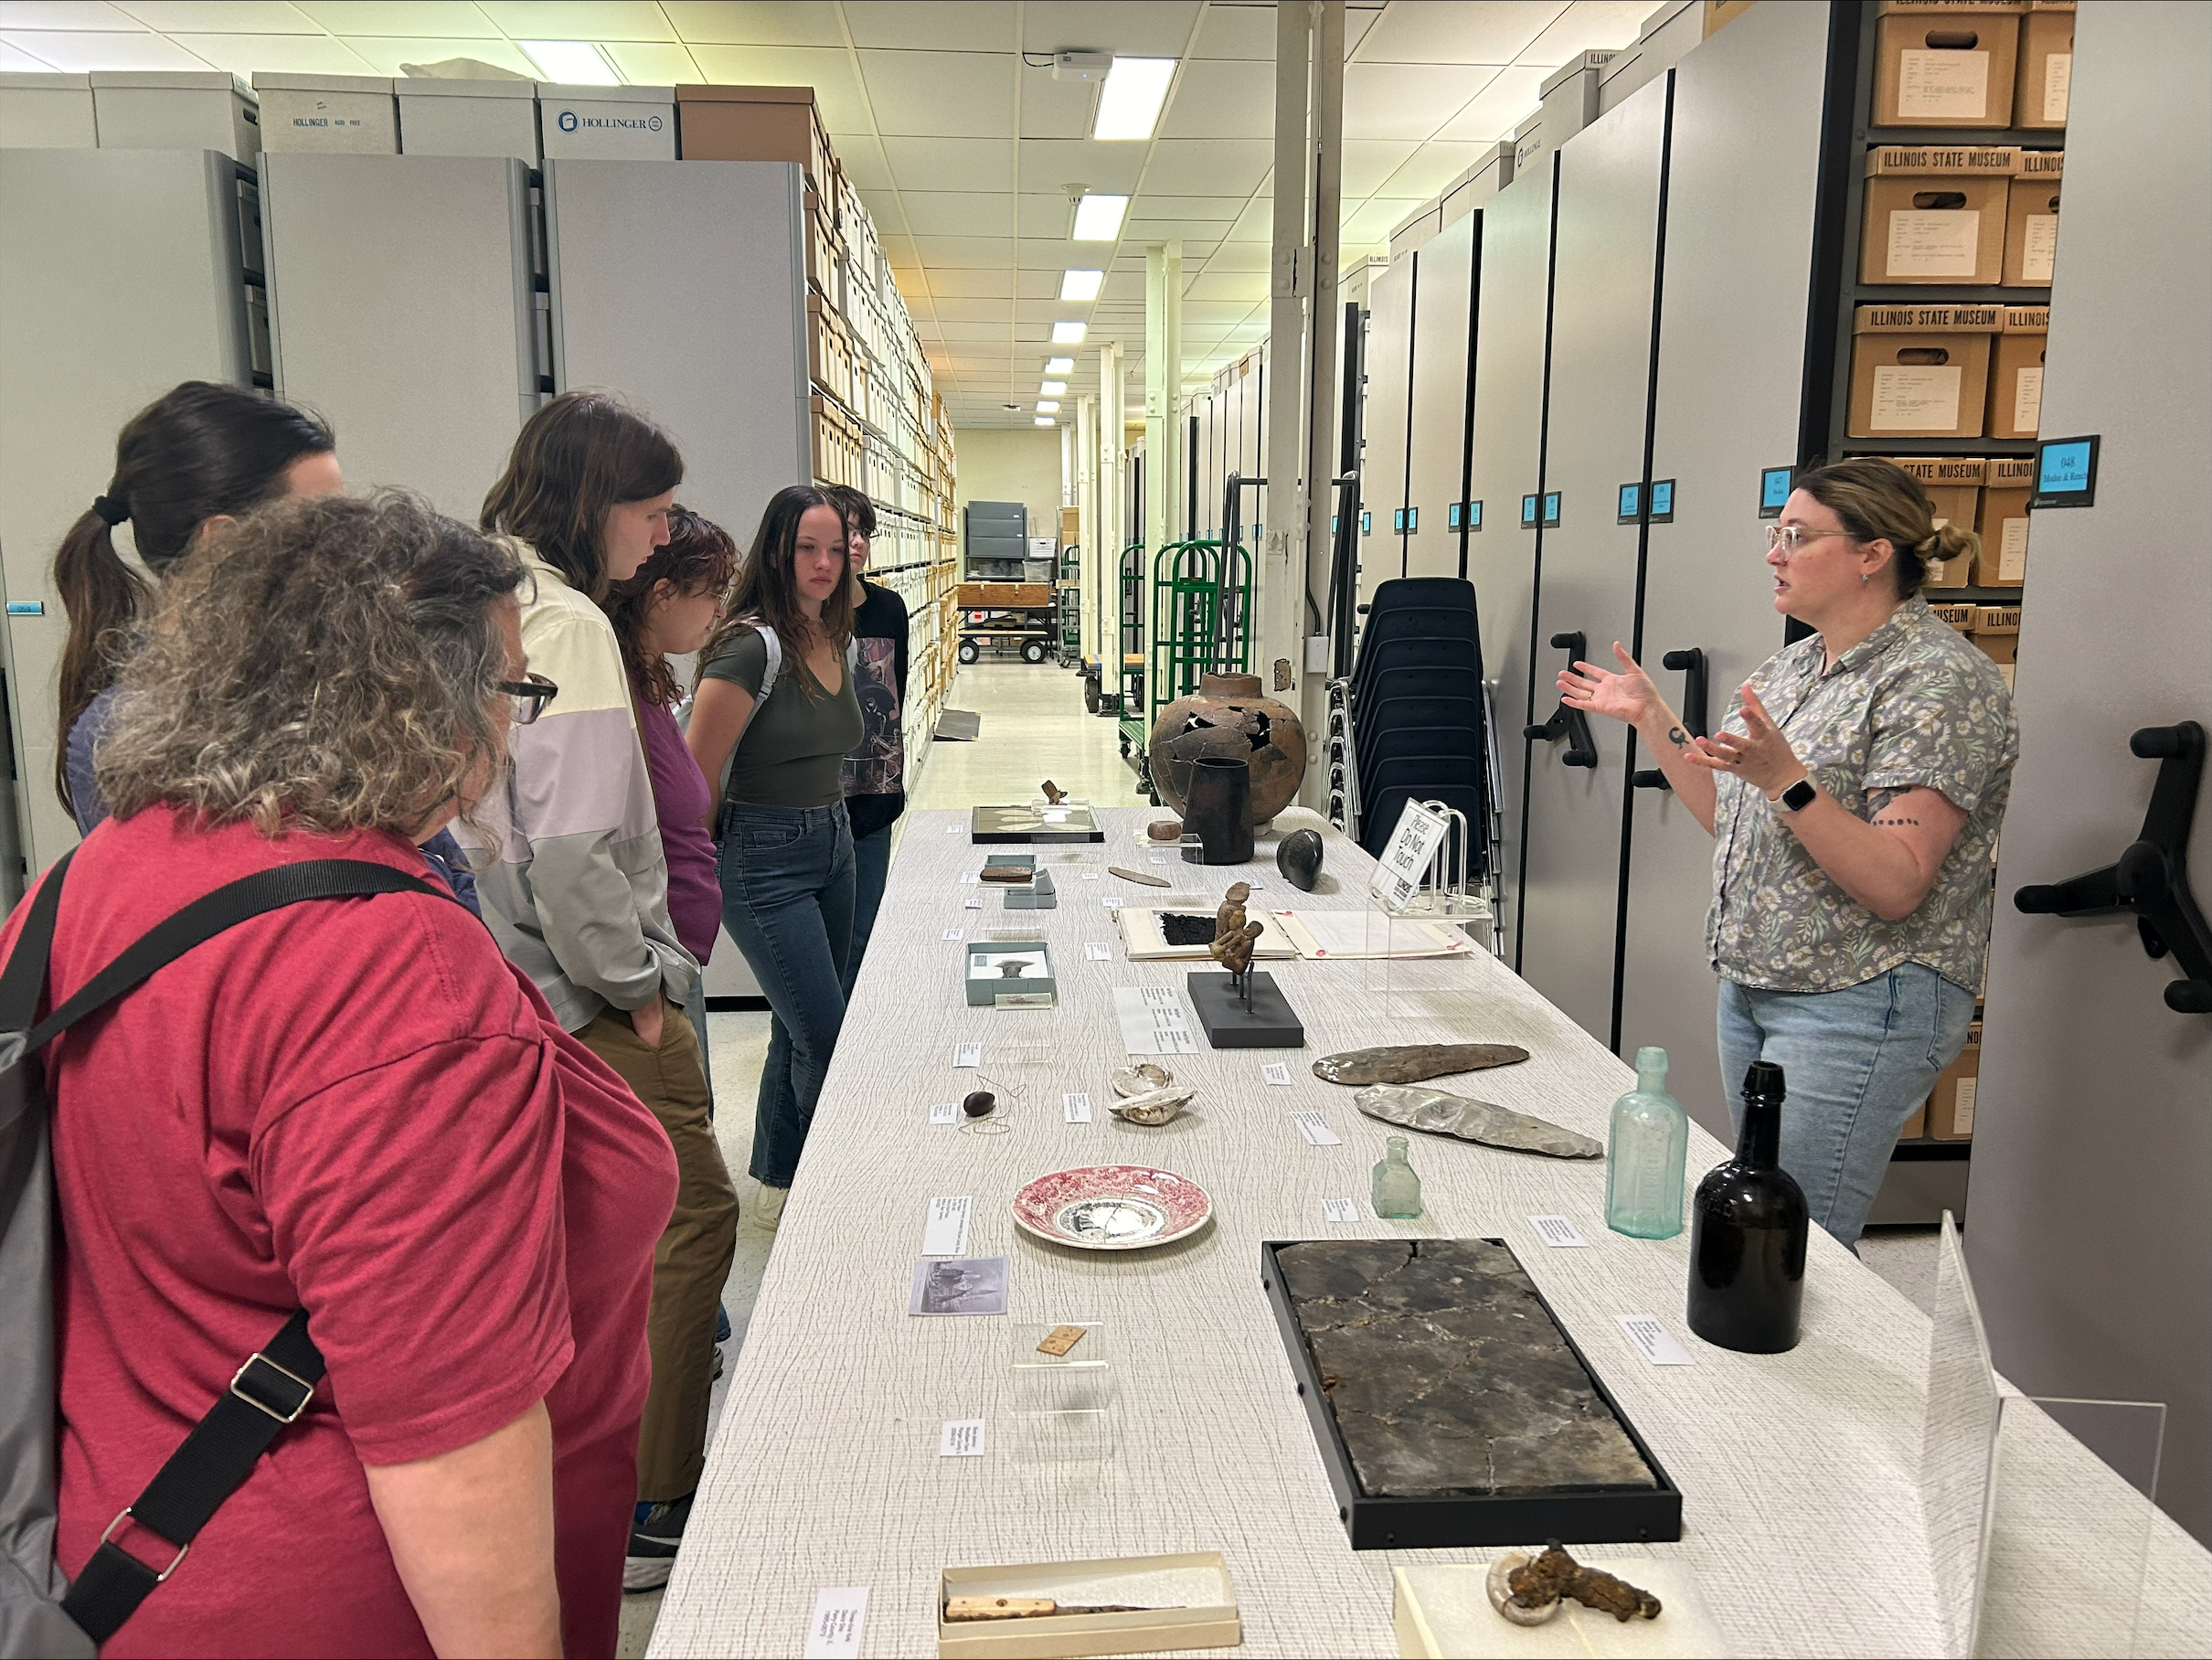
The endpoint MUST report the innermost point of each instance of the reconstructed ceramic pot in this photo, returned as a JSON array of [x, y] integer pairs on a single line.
[[1230, 715]]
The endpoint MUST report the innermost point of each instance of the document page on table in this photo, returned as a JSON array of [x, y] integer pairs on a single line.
[[1356, 934], [1152, 1020]]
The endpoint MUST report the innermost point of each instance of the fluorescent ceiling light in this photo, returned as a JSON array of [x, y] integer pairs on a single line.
[[571, 63], [1098, 218], [1046, 420], [1130, 101], [1081, 285], [1051, 388], [1060, 366], [1070, 333], [1047, 407]]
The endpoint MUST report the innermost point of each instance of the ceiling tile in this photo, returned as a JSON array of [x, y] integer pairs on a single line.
[[13, 62], [1049, 213], [1043, 312], [1433, 166], [1248, 286], [221, 17], [951, 164], [1223, 209], [829, 72], [954, 213], [1239, 256], [653, 63], [955, 332], [1369, 161], [862, 159], [941, 94], [1371, 221], [1497, 107], [1202, 311], [1134, 28], [1222, 99], [1486, 31], [73, 52], [1142, 233], [959, 25], [1034, 285], [986, 283], [1189, 166], [756, 22], [279, 53], [1055, 254], [1404, 99], [386, 54], [580, 19], [973, 311], [1256, 223], [1237, 32], [416, 20], [64, 14], [1056, 164], [1589, 25]]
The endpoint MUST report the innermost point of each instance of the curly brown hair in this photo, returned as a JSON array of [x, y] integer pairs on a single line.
[[324, 666], [700, 557]]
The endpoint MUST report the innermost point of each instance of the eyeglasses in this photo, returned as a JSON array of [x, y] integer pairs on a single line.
[[1791, 538], [531, 694]]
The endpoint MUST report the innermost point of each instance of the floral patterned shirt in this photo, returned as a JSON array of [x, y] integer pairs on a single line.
[[1913, 703]]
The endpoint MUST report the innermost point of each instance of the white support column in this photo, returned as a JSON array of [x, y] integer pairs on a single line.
[[1321, 422], [1087, 522], [1281, 576], [1113, 522]]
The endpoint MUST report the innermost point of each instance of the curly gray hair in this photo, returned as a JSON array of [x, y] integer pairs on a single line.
[[325, 665]]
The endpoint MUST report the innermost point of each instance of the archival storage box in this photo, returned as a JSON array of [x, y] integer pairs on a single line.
[[757, 125], [1920, 371], [2031, 218], [1953, 483], [607, 124], [2015, 376], [1936, 213], [329, 114], [1940, 64], [2047, 65], [42, 111], [468, 118], [178, 110]]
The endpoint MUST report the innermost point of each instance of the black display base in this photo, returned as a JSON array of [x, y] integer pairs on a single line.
[[1269, 1024]]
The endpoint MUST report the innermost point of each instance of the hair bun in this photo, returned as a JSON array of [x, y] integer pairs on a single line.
[[112, 511]]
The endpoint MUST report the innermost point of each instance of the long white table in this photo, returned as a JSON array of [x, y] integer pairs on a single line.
[[1802, 1511]]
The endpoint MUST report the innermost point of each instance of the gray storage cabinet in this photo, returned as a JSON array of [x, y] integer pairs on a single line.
[[1600, 373], [121, 274], [1436, 428], [1384, 426]]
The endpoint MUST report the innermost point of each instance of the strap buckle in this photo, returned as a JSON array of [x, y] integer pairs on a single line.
[[108, 1539], [278, 1405]]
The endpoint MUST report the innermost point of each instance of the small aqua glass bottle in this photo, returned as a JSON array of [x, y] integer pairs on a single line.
[[1397, 1191], [1645, 1154]]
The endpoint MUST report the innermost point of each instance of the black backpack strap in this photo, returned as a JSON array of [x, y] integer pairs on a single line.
[[275, 1385]]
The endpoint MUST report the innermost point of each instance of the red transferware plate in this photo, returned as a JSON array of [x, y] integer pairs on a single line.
[[1112, 1206]]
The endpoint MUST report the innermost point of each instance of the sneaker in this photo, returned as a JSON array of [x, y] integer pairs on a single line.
[[768, 1209], [721, 1322], [656, 1533], [717, 1373]]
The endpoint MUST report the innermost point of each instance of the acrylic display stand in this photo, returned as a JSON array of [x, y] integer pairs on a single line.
[[1064, 1406], [1420, 881], [1221, 1002]]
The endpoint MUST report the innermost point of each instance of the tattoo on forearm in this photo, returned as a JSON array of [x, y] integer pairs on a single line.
[[1678, 737], [1894, 821], [1880, 800]]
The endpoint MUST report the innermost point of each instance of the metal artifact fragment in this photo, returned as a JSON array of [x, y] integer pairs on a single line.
[[1412, 1062], [1436, 1113], [1529, 1589]]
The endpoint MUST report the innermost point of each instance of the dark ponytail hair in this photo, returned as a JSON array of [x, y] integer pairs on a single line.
[[580, 454], [201, 450]]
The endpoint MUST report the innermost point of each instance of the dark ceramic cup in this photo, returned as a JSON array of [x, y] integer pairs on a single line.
[[1219, 808]]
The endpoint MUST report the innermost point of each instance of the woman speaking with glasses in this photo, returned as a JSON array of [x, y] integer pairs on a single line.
[[1854, 791]]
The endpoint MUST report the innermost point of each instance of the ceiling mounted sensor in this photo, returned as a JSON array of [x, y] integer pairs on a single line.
[[1090, 67], [1070, 333], [1082, 285], [572, 63], [1134, 94], [1098, 218]]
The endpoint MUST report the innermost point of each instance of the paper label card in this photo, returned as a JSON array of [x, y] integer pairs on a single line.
[[1093, 875], [944, 1112], [1152, 1021], [2039, 249], [1404, 864], [1276, 1073], [969, 877], [1916, 397], [2027, 400], [1963, 1105], [1943, 86], [946, 1232], [955, 934], [832, 1630], [1076, 1104], [2058, 82], [1933, 244], [1112, 901], [1098, 950], [1558, 1232], [1339, 1210], [967, 1054], [961, 1438], [2012, 551], [1316, 1131], [1652, 1340], [975, 904], [954, 829]]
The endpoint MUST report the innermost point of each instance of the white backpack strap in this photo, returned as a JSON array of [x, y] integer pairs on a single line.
[[775, 660]]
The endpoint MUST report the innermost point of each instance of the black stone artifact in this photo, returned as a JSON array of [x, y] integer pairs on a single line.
[[1298, 856], [978, 1103]]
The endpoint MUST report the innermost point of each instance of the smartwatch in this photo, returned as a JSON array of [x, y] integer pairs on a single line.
[[1797, 797]]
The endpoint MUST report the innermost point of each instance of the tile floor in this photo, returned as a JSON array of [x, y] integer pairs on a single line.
[[1033, 728]]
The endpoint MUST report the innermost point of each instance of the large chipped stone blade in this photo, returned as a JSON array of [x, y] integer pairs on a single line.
[[1477, 1121], [1411, 1062]]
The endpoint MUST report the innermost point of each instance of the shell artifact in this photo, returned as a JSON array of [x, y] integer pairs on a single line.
[[1142, 1079], [1529, 1589], [1412, 1062], [1499, 1584], [1154, 1107], [1438, 1113]]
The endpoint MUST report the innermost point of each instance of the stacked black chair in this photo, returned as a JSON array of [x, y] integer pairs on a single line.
[[1418, 729]]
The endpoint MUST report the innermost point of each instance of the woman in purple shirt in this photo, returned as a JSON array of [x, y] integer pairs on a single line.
[[667, 610]]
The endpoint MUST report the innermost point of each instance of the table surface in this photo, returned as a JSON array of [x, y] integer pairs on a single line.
[[1802, 1514]]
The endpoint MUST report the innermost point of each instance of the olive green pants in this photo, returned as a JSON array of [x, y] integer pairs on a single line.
[[692, 1260]]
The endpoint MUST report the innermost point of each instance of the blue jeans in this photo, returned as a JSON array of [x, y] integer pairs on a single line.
[[787, 899], [871, 870], [1857, 1063]]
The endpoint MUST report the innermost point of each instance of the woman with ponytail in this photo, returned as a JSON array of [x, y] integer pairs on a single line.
[[1856, 790]]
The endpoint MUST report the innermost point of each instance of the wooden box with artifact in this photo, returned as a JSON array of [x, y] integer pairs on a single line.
[[1109, 1605]]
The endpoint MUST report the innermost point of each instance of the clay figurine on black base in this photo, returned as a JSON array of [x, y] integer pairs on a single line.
[[1298, 856]]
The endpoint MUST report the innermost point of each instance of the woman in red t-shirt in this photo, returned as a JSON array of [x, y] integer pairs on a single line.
[[351, 1106]]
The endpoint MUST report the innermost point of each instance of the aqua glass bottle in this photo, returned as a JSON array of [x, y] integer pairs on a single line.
[[1397, 1191], [1645, 1154]]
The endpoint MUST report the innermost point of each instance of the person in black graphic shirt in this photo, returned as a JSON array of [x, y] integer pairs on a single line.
[[874, 773]]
